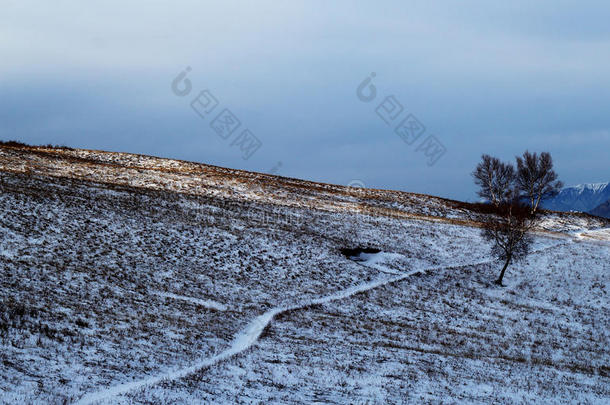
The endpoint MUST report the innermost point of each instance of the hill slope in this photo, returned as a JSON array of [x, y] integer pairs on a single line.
[[602, 210], [134, 279]]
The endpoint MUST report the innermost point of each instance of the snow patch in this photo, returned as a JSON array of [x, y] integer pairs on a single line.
[[204, 303]]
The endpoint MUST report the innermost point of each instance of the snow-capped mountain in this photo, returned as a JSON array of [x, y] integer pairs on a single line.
[[583, 197]]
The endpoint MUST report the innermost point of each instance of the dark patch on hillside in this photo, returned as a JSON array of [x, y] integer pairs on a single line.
[[355, 252]]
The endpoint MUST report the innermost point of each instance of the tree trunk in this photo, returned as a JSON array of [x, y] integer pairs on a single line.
[[537, 203], [499, 280]]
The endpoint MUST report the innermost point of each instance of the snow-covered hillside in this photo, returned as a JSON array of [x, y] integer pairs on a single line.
[[583, 197], [133, 279]]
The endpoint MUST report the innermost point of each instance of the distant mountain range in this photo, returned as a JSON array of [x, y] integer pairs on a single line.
[[593, 198], [602, 210]]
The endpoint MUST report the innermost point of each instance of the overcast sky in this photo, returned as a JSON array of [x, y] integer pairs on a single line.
[[480, 76]]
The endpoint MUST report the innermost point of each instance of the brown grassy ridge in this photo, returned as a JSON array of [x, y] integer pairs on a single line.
[[369, 201]]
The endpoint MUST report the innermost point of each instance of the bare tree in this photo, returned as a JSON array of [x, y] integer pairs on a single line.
[[535, 178], [508, 228], [507, 220], [494, 178]]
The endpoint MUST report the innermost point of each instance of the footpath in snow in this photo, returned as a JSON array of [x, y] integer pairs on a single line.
[[204, 303], [251, 333]]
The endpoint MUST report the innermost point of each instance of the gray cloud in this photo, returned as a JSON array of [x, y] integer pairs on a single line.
[[482, 77]]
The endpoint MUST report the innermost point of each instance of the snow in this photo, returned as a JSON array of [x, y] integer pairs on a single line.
[[241, 343], [400, 344], [602, 234], [593, 187], [202, 286], [250, 335], [377, 260], [245, 339], [582, 197], [204, 303]]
